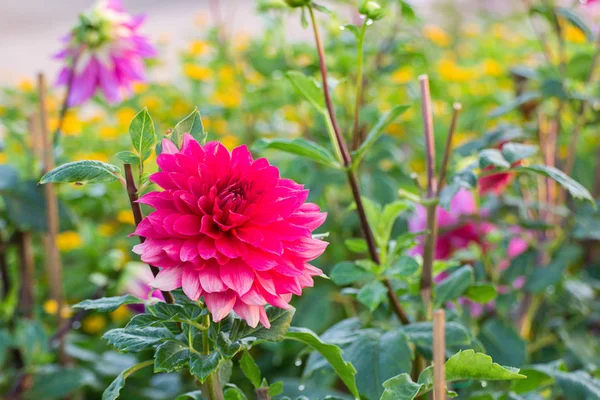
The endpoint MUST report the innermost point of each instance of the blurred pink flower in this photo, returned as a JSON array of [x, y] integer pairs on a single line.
[[138, 285], [108, 52], [498, 182], [228, 228], [456, 230]]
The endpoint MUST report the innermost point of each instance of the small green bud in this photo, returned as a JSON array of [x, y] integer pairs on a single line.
[[372, 10], [297, 3]]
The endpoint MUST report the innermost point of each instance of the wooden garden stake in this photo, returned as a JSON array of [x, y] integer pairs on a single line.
[[53, 263], [430, 238], [439, 355]]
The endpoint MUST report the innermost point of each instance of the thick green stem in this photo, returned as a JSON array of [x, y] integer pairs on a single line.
[[212, 387]]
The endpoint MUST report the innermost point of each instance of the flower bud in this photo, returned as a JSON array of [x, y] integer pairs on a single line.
[[372, 10], [297, 3]]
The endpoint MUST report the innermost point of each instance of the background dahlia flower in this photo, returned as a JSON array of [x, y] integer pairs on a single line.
[[108, 52], [228, 228], [137, 283]]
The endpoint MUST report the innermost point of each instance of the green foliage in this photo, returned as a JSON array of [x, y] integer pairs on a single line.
[[82, 172], [191, 124], [141, 132], [576, 190], [107, 304], [300, 147]]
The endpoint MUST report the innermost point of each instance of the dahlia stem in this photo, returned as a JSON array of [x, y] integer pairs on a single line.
[[352, 179], [212, 386], [430, 238], [359, 84], [132, 192]]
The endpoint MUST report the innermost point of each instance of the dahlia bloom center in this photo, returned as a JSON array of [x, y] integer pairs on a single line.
[[228, 228]]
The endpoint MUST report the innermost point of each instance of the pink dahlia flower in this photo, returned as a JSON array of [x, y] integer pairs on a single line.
[[228, 228], [456, 228], [108, 52]]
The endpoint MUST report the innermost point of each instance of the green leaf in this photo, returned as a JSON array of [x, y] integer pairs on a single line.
[[250, 369], [307, 87], [113, 390], [513, 152], [300, 147], [503, 343], [280, 320], [376, 132], [492, 158], [141, 131], [195, 395], [576, 190], [576, 384], [535, 380], [481, 293], [467, 364], [576, 21], [9, 177], [191, 124], [136, 339], [372, 294], [128, 157], [81, 172], [276, 388], [421, 334], [332, 354], [347, 272], [400, 387], [232, 392], [171, 356], [454, 285], [56, 382], [522, 99], [388, 216], [108, 304], [355, 30], [553, 273], [404, 267], [202, 365], [356, 245]]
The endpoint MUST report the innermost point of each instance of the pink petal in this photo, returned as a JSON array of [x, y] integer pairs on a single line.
[[210, 279], [220, 304], [237, 276], [191, 284], [250, 314], [168, 279]]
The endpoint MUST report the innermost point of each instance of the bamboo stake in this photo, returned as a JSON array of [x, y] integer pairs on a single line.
[[430, 239], [53, 262], [439, 355]]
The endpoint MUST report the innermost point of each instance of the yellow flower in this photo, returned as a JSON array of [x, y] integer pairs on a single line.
[[125, 115], [492, 67], [573, 34], [120, 314], [26, 85], [50, 307], [3, 158], [471, 30], [125, 217], [69, 240], [2, 110], [109, 132], [139, 87], [462, 137], [71, 126], [450, 71], [180, 107], [228, 98], [226, 75], [197, 72], [152, 102], [417, 165], [93, 155], [93, 324], [241, 42], [403, 75], [437, 35], [106, 230], [198, 47], [230, 141]]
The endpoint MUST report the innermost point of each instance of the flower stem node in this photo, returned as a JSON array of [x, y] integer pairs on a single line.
[[372, 10]]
